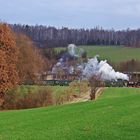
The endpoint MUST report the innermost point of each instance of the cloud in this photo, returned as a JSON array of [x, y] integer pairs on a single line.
[[73, 13]]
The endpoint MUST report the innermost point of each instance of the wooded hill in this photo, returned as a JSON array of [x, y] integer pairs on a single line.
[[44, 36]]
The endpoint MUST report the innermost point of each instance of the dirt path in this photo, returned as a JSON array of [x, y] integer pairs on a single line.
[[86, 96], [99, 92]]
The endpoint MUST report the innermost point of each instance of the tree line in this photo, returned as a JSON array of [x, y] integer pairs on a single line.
[[20, 61], [44, 36]]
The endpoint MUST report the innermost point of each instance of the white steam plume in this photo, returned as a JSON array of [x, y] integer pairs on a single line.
[[87, 69], [72, 50], [103, 69]]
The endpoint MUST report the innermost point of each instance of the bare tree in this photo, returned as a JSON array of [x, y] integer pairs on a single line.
[[43, 36], [95, 83]]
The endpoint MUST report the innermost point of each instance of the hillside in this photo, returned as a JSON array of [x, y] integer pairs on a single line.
[[115, 115], [112, 53]]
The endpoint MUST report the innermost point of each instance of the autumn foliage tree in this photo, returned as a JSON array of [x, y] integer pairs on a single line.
[[30, 61], [8, 60], [3, 72]]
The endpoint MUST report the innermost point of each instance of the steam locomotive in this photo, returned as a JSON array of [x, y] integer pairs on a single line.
[[65, 80]]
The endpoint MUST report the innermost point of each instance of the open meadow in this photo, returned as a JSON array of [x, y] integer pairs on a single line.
[[111, 53], [114, 115]]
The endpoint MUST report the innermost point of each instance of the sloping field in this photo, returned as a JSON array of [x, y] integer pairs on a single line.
[[114, 116], [112, 53]]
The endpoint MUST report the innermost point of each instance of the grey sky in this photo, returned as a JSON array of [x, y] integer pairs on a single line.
[[118, 14]]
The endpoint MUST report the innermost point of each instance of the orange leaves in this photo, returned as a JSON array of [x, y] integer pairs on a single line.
[[8, 58], [3, 72], [30, 61]]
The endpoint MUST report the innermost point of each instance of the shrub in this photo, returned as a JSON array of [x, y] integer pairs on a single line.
[[74, 90], [16, 100], [95, 82], [130, 65]]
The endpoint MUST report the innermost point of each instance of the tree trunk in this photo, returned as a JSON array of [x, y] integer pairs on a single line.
[[93, 93], [2, 100]]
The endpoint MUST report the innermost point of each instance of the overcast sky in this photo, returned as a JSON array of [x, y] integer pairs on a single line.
[[118, 14]]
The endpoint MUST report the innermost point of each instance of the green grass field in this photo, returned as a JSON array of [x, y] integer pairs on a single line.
[[112, 53], [114, 116]]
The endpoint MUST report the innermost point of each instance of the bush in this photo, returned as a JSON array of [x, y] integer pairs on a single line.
[[64, 96], [130, 65], [74, 90], [15, 100]]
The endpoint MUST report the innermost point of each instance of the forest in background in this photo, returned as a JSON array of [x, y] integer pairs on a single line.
[[49, 36]]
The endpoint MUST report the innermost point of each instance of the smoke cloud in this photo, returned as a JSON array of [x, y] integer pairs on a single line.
[[87, 69], [102, 69], [72, 50]]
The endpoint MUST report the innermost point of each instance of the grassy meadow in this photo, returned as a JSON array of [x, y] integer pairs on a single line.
[[114, 115], [112, 53]]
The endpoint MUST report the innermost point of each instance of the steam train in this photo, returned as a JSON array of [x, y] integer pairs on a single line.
[[118, 83], [65, 80], [134, 81], [57, 82]]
